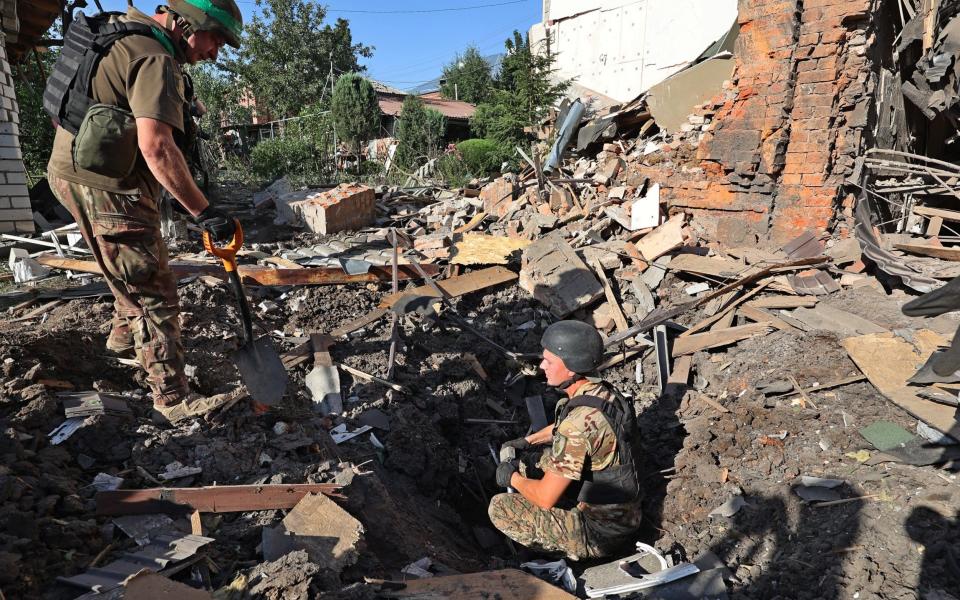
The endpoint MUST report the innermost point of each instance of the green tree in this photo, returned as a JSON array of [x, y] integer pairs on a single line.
[[356, 113], [220, 92], [419, 133], [288, 52], [524, 92], [36, 129], [469, 77]]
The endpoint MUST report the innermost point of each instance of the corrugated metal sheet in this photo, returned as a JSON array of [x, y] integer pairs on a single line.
[[163, 550], [885, 261]]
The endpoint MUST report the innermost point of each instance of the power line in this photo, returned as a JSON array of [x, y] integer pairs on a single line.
[[431, 64]]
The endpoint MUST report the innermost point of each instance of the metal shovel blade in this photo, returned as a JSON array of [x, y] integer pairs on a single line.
[[324, 385], [262, 371]]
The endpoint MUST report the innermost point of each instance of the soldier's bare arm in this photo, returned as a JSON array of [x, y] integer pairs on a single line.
[[544, 436], [545, 492], [166, 162]]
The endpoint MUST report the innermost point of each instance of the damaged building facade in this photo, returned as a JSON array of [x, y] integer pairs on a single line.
[[782, 135]]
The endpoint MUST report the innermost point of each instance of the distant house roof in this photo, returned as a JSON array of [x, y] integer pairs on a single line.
[[390, 104], [384, 88]]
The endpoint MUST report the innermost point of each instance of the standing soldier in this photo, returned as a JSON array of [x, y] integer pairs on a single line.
[[117, 95], [588, 502]]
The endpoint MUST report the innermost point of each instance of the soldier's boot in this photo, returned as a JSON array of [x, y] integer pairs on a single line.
[[193, 405]]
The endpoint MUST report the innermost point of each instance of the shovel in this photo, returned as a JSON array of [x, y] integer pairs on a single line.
[[324, 380], [258, 363]]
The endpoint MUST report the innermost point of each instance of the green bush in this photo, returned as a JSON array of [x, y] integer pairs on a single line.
[[483, 157], [452, 169], [302, 152], [291, 155], [419, 134]]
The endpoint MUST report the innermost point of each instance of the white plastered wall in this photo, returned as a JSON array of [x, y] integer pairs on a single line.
[[620, 48]]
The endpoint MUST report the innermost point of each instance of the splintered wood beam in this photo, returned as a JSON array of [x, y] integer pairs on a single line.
[[784, 302], [457, 286], [211, 499], [256, 275], [942, 252], [713, 339], [945, 214]]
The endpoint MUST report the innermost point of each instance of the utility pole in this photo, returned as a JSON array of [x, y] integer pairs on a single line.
[[456, 91]]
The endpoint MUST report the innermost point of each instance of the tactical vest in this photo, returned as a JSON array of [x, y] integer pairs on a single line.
[[615, 484], [66, 97]]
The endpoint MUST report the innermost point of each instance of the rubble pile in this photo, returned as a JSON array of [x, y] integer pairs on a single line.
[[750, 312]]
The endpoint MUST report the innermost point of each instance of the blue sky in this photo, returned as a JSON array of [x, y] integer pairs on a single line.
[[412, 47]]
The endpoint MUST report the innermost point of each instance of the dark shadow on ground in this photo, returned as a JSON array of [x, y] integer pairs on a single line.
[[780, 546], [940, 536]]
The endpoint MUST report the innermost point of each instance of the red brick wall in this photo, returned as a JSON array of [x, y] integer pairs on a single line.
[[786, 134]]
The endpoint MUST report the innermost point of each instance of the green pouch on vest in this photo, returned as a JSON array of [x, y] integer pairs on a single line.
[[106, 143]]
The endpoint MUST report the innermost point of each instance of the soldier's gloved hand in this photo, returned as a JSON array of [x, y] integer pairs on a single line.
[[519, 443], [504, 472], [217, 223]]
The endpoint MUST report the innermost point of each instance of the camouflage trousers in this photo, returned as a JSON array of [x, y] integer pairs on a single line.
[[593, 532], [123, 232]]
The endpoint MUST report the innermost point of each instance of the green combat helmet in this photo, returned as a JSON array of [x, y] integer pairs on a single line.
[[211, 15]]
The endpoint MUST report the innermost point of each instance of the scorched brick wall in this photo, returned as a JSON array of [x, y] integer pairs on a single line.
[[786, 132]]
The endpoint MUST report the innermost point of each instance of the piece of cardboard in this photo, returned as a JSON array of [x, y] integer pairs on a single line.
[[888, 361]]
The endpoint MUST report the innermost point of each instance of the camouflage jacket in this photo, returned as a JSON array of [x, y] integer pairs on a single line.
[[585, 439]]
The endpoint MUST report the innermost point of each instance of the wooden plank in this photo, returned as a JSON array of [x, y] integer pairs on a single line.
[[933, 227], [705, 265], [665, 314], [663, 239], [727, 310], [725, 322], [681, 370], [371, 317], [506, 584], [618, 317], [459, 285], [38, 311], [784, 302], [941, 252], [827, 386], [888, 361], [454, 286], [829, 318], [256, 275], [212, 499], [758, 315], [946, 215], [473, 224], [282, 262], [714, 339]]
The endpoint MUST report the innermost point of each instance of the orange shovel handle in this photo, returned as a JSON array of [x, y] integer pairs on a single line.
[[228, 253]]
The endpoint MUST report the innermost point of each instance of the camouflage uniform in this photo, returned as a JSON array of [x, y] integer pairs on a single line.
[[585, 530], [118, 217], [123, 232]]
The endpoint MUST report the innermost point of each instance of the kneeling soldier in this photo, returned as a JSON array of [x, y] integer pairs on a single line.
[[588, 502]]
